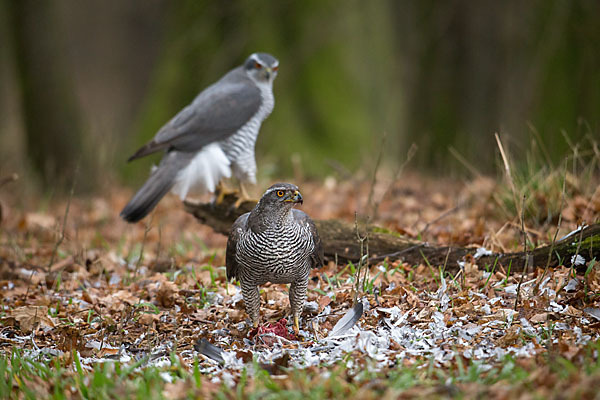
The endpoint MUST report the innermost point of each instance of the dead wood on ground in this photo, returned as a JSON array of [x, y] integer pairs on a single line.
[[339, 239]]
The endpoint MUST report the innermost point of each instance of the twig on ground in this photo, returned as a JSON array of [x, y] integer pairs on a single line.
[[530, 231], [147, 229], [129, 310], [446, 260], [364, 258], [370, 204], [494, 237], [440, 217], [562, 202], [64, 226], [508, 173], [158, 244], [524, 251]]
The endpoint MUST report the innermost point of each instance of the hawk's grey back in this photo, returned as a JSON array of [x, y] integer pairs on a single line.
[[215, 114]]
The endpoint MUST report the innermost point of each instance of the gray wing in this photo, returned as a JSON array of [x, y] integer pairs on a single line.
[[231, 263], [317, 258], [215, 114]]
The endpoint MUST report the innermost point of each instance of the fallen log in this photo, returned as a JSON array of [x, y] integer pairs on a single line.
[[340, 241]]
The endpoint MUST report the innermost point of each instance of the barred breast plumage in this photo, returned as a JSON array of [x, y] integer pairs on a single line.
[[239, 148], [274, 243]]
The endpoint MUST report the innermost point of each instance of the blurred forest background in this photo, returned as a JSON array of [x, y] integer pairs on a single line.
[[84, 83]]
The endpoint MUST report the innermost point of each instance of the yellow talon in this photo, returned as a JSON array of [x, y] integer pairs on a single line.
[[244, 193], [220, 197], [221, 191], [243, 196], [296, 325]]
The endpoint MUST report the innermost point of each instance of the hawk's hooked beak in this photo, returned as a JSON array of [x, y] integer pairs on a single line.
[[295, 197], [268, 73]]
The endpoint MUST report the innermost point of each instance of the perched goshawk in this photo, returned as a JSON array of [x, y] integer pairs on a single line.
[[274, 243], [210, 138]]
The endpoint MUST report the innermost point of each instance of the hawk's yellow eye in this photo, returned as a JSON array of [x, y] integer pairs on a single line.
[[257, 65], [280, 193]]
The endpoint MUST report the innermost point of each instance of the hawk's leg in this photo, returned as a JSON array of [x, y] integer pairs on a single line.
[[252, 302], [221, 191], [243, 196], [297, 299]]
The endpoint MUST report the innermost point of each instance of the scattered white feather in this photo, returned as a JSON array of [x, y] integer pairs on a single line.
[[579, 228], [511, 289], [572, 285], [482, 251], [594, 312], [577, 260], [237, 296], [442, 296]]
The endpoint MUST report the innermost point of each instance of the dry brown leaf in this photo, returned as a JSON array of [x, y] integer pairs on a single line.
[[510, 337], [86, 296], [465, 309], [167, 294], [148, 318], [504, 314], [539, 318], [62, 264], [323, 302], [30, 317], [107, 351], [573, 312]]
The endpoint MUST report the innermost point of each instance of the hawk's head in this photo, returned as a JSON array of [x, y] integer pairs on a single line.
[[261, 67], [282, 195], [274, 207]]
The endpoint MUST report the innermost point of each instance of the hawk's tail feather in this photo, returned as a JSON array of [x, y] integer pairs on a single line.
[[155, 188], [148, 196]]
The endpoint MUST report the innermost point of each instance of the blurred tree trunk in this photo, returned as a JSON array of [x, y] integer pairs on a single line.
[[476, 68], [50, 114]]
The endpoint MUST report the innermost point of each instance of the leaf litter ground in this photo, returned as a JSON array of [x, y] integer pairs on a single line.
[[142, 293]]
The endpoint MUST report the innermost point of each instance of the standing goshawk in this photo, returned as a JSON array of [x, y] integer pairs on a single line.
[[274, 243], [210, 138]]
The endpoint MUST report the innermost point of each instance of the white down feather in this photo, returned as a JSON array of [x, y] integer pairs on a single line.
[[203, 173]]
